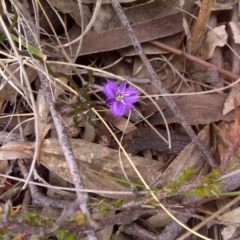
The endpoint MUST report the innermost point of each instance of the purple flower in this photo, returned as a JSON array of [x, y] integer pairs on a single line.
[[119, 97]]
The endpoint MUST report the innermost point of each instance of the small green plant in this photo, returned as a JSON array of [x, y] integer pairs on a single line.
[[210, 186], [4, 233], [78, 218], [186, 176], [104, 209], [10, 29], [64, 234], [35, 219], [118, 203], [80, 108]]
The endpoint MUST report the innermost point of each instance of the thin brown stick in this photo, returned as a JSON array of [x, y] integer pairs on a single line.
[[158, 84], [195, 59]]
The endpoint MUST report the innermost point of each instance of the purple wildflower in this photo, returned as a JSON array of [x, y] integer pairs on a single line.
[[119, 97]]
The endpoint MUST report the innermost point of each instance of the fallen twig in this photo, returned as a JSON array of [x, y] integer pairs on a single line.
[[67, 149], [38, 197]]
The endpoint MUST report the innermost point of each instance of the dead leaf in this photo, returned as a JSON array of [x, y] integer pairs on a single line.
[[118, 38], [104, 17], [229, 103], [149, 48], [215, 37], [57, 181], [219, 6], [197, 109], [225, 142], [170, 79], [89, 133], [232, 216], [206, 76], [188, 157], [230, 232], [120, 122], [223, 138], [140, 71], [106, 233], [7, 91], [145, 12], [89, 157], [71, 7], [95, 157], [159, 220], [235, 29], [15, 150]]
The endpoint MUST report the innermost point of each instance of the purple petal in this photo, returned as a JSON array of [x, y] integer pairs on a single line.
[[118, 108], [110, 89], [130, 99], [110, 100], [133, 95], [122, 86], [131, 91]]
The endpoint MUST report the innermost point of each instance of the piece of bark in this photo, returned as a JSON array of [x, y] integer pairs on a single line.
[[198, 31], [197, 109], [145, 138]]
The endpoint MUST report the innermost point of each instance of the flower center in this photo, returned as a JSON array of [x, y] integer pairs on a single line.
[[120, 95]]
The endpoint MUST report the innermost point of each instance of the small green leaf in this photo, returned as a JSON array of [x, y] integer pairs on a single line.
[[104, 209], [71, 237], [62, 233], [30, 48], [118, 203]]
